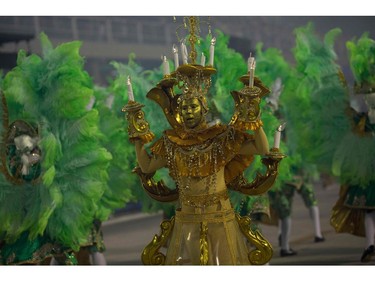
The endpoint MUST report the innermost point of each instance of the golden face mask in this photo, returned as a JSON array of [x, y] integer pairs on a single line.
[[191, 112]]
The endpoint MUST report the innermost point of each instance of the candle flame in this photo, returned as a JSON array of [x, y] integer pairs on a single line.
[[213, 41], [281, 127]]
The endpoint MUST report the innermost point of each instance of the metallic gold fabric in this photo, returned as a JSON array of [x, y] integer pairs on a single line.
[[220, 243], [345, 219], [197, 148]]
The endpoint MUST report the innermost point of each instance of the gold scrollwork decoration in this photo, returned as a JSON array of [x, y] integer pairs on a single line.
[[263, 252], [156, 190], [247, 104], [138, 127], [151, 254], [261, 183]]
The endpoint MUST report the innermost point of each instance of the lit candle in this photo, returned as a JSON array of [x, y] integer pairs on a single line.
[[250, 62], [130, 90], [166, 70], [276, 143], [175, 55], [184, 53], [212, 51], [203, 60], [251, 69]]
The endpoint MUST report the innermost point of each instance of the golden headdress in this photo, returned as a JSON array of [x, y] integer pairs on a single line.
[[193, 80]]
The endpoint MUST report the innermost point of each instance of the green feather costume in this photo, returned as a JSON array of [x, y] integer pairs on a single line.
[[355, 166], [51, 92], [315, 107], [338, 140]]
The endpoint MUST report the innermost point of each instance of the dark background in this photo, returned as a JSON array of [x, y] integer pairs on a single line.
[[107, 38]]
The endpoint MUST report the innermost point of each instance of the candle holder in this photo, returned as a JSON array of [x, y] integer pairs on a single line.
[[138, 127], [247, 104], [275, 154], [262, 182]]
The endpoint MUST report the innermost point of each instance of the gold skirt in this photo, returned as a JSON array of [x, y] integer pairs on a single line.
[[213, 239], [217, 236]]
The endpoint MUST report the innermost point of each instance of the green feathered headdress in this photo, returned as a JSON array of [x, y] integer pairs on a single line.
[[362, 63], [319, 99]]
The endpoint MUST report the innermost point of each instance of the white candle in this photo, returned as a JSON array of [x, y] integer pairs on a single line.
[[166, 70], [175, 55], [203, 60], [276, 143], [130, 90], [251, 69], [184, 53], [250, 62], [212, 51]]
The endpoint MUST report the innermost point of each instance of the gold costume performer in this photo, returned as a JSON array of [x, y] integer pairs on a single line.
[[204, 160]]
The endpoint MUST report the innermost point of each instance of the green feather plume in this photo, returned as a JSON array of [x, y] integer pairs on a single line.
[[316, 105], [362, 59], [53, 91]]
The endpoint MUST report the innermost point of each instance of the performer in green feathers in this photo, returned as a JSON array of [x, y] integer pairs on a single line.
[[333, 124], [320, 82], [284, 79], [354, 210], [54, 167]]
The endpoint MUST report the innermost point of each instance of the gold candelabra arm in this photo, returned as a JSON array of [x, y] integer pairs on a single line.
[[151, 254], [138, 127], [156, 190], [263, 252], [261, 183]]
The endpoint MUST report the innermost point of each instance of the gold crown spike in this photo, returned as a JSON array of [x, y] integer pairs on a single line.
[[192, 24], [193, 27]]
